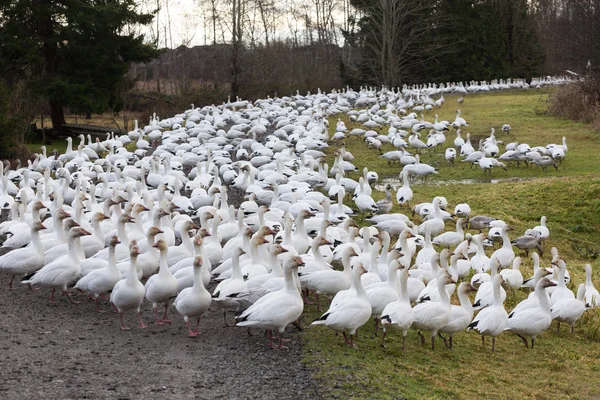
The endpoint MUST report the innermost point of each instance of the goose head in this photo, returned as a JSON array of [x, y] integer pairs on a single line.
[[161, 245], [265, 231], [78, 231], [189, 226], [544, 283], [126, 219], [100, 217], [295, 262], [134, 250], [202, 233], [277, 249], [37, 226], [197, 262], [114, 240], [154, 230], [138, 208], [321, 241]]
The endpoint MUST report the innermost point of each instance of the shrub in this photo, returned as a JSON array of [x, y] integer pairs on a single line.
[[579, 101]]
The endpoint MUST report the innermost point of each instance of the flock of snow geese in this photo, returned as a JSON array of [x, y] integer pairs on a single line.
[[238, 197]]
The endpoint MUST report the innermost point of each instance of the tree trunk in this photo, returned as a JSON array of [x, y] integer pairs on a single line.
[[57, 115]]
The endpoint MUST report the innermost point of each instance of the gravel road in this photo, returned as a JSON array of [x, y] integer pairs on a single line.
[[68, 351]]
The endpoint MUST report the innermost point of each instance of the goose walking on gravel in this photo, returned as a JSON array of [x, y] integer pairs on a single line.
[[162, 286], [25, 260], [193, 302], [101, 281], [128, 293], [62, 271]]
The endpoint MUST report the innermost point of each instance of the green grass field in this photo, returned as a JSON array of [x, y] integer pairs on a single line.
[[565, 366]]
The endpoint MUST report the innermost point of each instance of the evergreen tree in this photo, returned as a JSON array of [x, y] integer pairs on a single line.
[[74, 53]]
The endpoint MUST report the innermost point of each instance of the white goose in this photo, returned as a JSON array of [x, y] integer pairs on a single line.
[[531, 322], [328, 281], [592, 297], [404, 194], [161, 287], [486, 293], [25, 260], [505, 255], [569, 310], [432, 315], [350, 312], [193, 302], [513, 277], [62, 271], [226, 291], [101, 281], [128, 293], [276, 310], [492, 320], [398, 315], [460, 316], [449, 239]]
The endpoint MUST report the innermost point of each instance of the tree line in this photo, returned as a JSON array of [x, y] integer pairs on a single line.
[[93, 56]]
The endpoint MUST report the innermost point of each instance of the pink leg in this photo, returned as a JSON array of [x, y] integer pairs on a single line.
[[33, 289], [98, 306], [318, 302], [70, 298], [123, 327], [142, 325], [158, 321], [165, 318], [52, 296], [10, 284], [115, 309], [197, 324], [191, 333]]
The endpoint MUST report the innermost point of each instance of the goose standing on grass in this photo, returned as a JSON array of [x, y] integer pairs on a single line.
[[486, 293], [561, 291], [62, 271], [460, 316], [128, 293], [351, 312], [531, 322], [592, 297], [505, 254], [433, 315], [384, 206], [451, 239], [162, 286], [398, 315], [569, 310], [513, 277], [193, 302], [276, 310], [543, 229], [404, 194], [101, 281], [25, 260], [492, 320]]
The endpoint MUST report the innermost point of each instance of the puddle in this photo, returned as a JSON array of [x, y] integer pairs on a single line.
[[396, 182]]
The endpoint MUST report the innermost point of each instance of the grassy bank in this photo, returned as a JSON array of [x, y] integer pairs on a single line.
[[570, 198]]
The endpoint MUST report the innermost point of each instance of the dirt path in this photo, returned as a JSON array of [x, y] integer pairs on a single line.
[[70, 351]]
